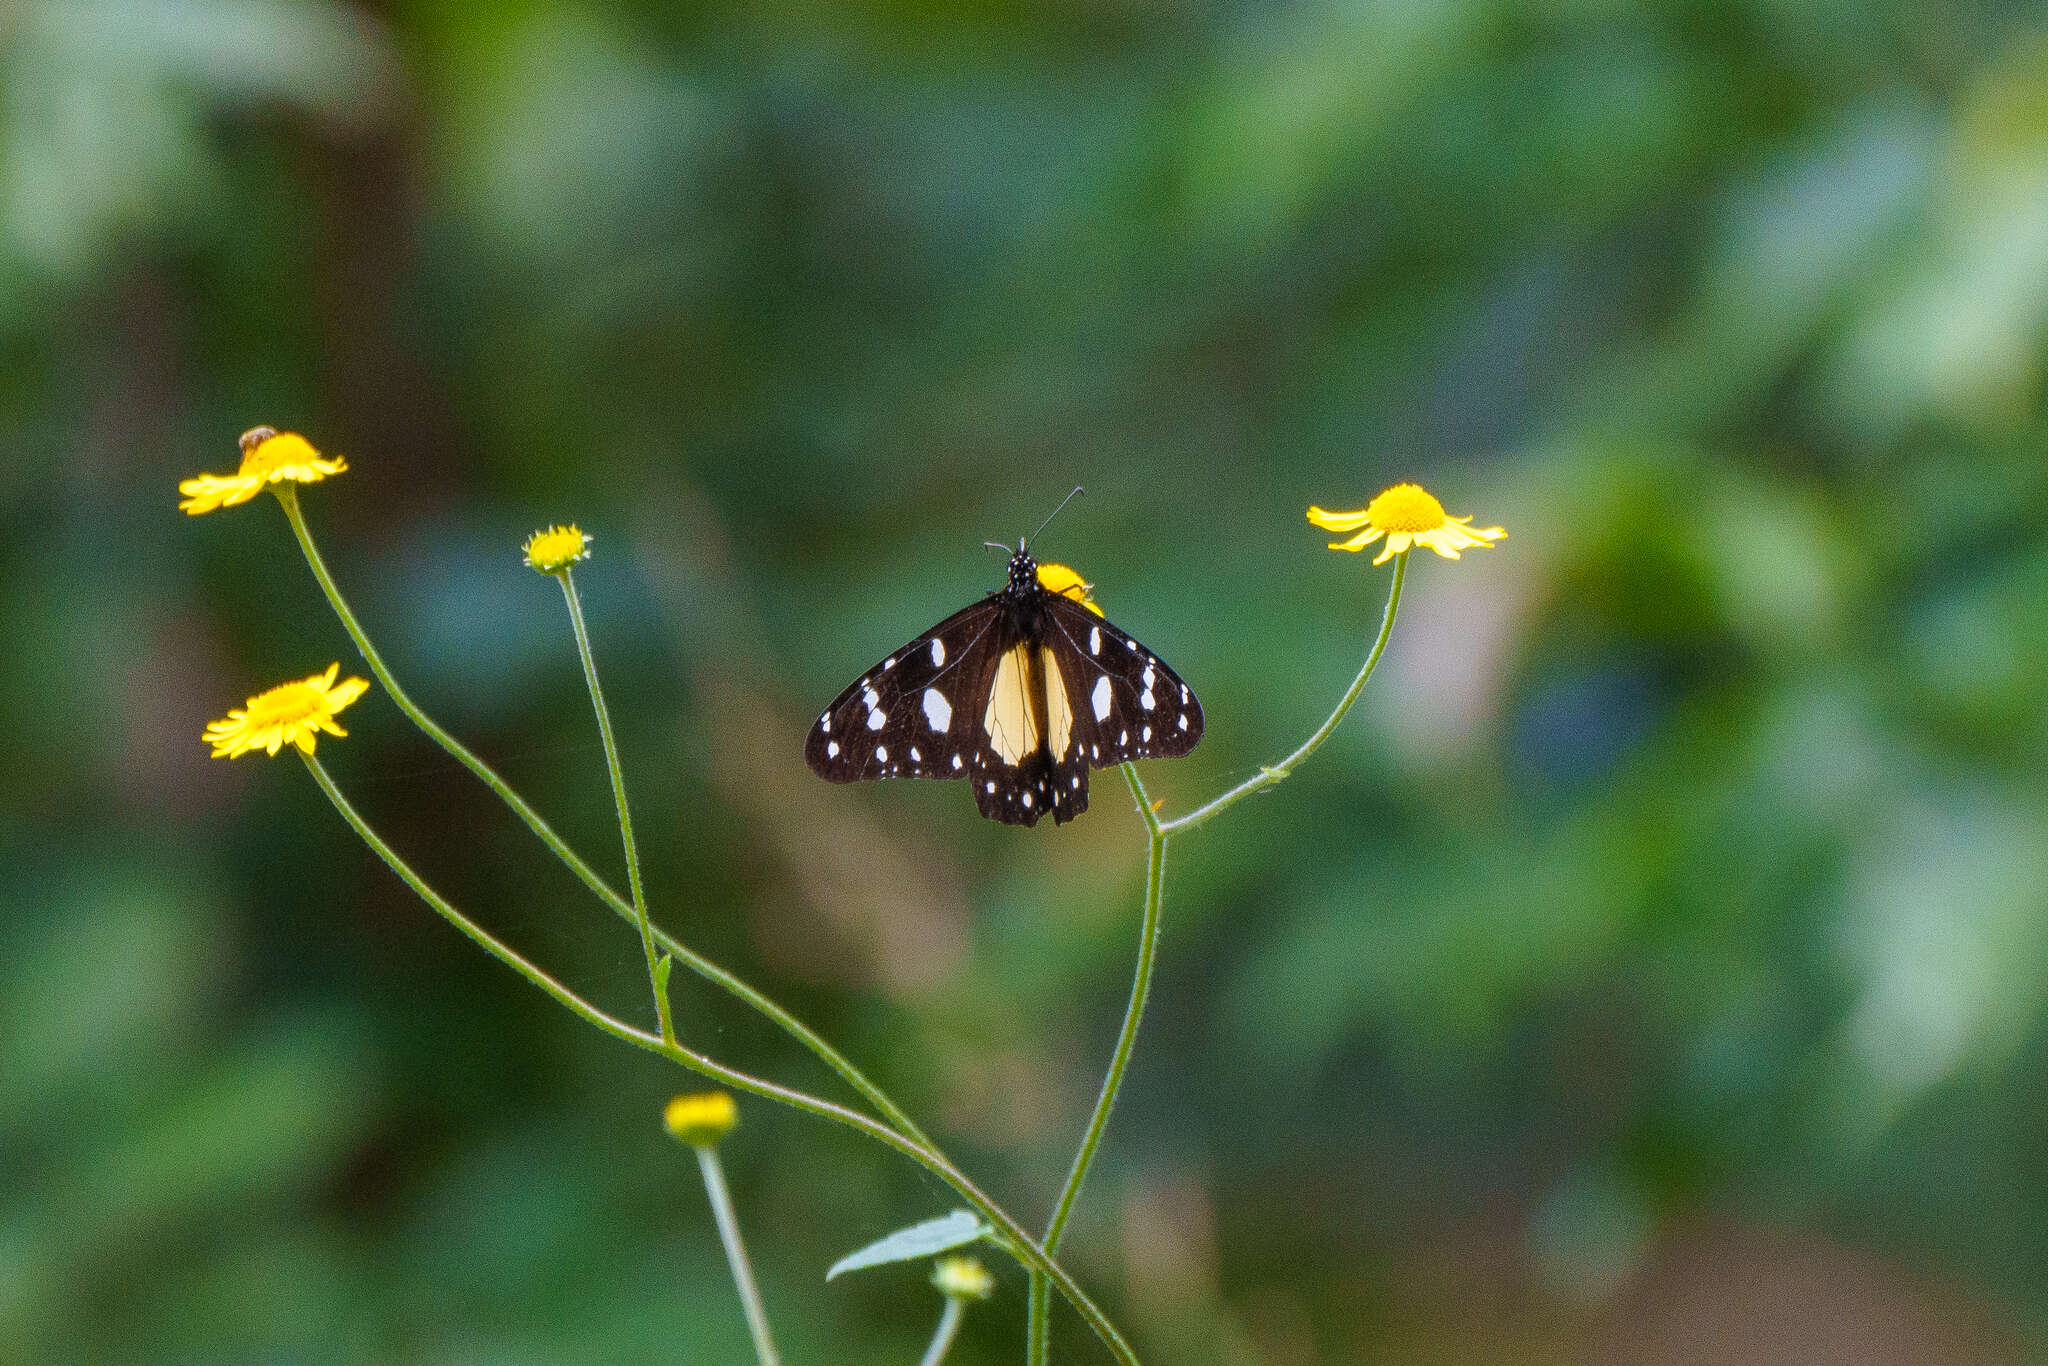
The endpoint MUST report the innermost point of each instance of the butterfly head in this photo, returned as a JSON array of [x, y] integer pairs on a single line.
[[1023, 571]]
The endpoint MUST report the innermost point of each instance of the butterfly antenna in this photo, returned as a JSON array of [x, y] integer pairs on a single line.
[[998, 545], [1054, 513]]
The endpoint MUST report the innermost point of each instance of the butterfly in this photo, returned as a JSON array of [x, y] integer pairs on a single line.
[[1019, 694]]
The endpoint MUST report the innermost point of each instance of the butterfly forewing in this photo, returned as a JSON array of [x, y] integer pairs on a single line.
[[914, 715], [1126, 704]]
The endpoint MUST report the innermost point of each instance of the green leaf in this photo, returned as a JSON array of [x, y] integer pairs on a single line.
[[661, 972], [919, 1240]]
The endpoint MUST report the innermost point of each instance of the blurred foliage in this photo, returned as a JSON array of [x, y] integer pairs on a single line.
[[1654, 969]]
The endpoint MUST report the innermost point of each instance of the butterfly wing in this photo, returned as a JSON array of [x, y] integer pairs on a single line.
[[1125, 704], [917, 713]]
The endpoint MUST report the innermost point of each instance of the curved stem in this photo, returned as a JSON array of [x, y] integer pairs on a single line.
[[1269, 776], [1038, 1332], [611, 763], [1013, 1237], [736, 1253], [942, 1337], [483, 938], [287, 495], [1134, 1014]]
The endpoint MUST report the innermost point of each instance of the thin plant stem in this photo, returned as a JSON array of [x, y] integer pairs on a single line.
[[1010, 1235], [611, 762], [483, 938], [1266, 777], [942, 1336], [287, 495], [1038, 1312], [1038, 1322], [736, 1253], [1038, 1333], [1134, 1014]]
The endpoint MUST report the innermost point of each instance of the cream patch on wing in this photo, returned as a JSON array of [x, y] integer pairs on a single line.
[[1012, 729], [1059, 712]]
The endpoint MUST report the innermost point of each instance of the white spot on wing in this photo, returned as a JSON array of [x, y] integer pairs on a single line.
[[882, 753], [938, 712], [915, 757], [1100, 698], [832, 750], [877, 719], [1145, 697], [938, 652], [991, 787], [1094, 640], [1151, 676], [825, 724], [888, 663], [956, 761], [1183, 723], [1027, 799], [872, 698]]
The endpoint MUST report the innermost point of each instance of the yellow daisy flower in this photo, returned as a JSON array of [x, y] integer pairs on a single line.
[[1407, 515], [268, 456], [963, 1278], [1058, 578], [702, 1119], [291, 712], [555, 549]]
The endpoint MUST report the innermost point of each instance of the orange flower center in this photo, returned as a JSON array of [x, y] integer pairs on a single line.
[[1406, 508]]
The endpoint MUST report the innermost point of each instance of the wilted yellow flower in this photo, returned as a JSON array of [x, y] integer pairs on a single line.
[[555, 549], [1058, 578], [702, 1119], [1407, 515], [268, 457], [963, 1278], [289, 712]]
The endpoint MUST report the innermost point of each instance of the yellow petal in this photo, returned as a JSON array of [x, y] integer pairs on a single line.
[[1360, 541], [1337, 521]]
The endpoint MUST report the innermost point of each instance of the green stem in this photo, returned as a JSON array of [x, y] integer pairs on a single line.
[[1134, 1014], [1268, 776], [1013, 1237], [611, 762], [287, 495], [1038, 1314], [484, 939], [1038, 1333], [1038, 1322], [942, 1337], [736, 1254]]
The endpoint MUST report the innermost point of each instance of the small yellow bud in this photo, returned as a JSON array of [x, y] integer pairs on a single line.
[[555, 549], [700, 1120], [962, 1278]]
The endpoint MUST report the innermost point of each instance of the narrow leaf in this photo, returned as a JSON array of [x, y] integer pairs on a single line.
[[919, 1240]]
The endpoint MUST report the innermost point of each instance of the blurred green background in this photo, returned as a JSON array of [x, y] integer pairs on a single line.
[[1653, 969]]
